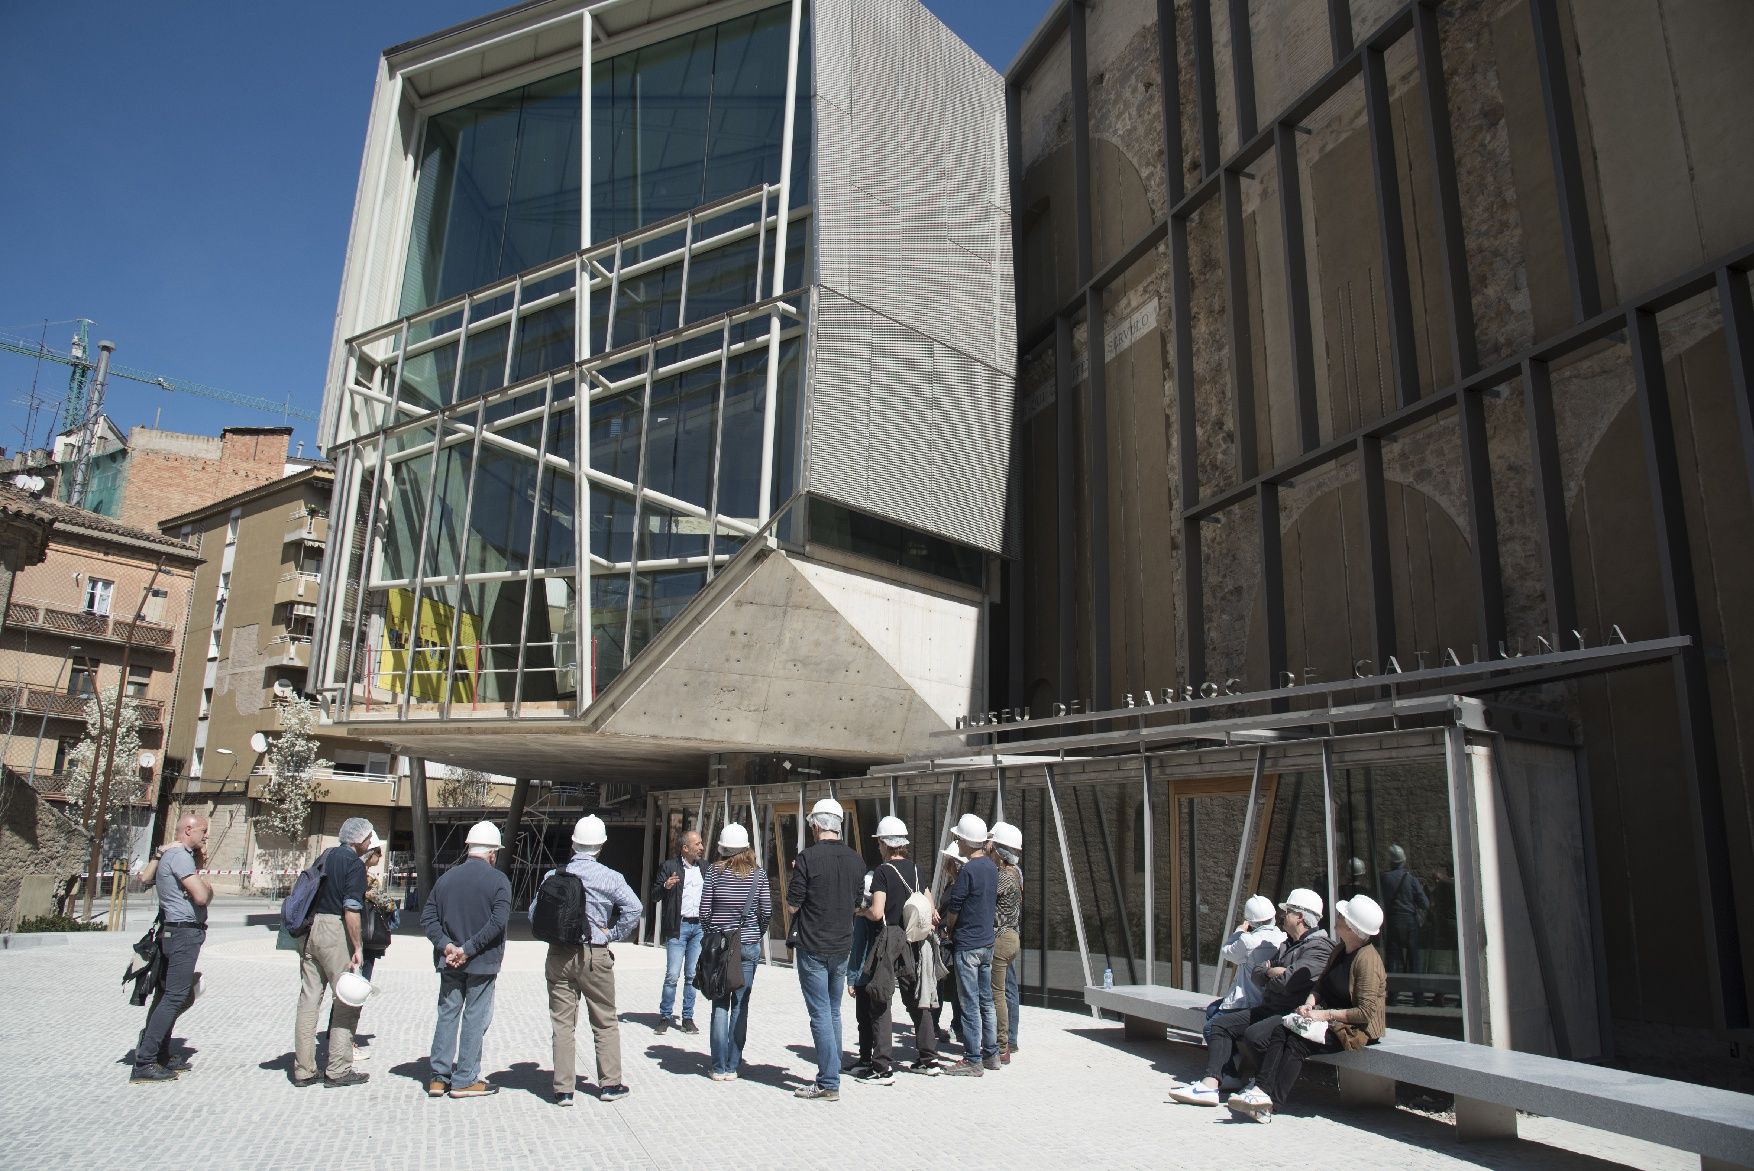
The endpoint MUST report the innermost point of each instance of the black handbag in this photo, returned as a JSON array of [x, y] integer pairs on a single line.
[[374, 929], [719, 971]]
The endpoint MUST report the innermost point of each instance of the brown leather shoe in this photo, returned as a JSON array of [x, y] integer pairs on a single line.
[[436, 1089], [474, 1090]]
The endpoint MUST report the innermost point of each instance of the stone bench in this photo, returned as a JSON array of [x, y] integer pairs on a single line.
[[1491, 1085]]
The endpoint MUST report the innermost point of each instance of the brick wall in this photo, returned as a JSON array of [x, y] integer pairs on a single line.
[[164, 480], [35, 838]]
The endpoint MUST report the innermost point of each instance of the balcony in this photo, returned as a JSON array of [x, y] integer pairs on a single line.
[[312, 527], [84, 624], [290, 650], [296, 586], [43, 701]]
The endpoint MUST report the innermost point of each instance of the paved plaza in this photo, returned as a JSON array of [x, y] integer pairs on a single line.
[[1077, 1095]]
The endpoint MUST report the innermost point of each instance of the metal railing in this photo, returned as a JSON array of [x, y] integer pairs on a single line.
[[86, 624]]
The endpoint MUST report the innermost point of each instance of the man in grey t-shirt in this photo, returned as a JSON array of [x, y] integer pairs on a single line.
[[183, 895]]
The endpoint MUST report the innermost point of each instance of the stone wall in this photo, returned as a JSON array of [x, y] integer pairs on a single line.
[[36, 838]]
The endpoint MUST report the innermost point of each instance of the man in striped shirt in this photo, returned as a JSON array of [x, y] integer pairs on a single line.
[[588, 969]]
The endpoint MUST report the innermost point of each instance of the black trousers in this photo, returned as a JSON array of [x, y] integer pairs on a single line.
[[180, 947], [1227, 1052], [1281, 1059], [876, 1031]]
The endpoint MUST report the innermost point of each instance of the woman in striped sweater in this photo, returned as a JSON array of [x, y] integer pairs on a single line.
[[735, 895]]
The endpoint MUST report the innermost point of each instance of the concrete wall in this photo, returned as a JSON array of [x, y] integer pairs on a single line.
[[36, 838]]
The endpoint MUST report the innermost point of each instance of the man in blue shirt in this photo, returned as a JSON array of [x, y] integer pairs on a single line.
[[329, 948], [466, 917], [588, 969], [969, 909]]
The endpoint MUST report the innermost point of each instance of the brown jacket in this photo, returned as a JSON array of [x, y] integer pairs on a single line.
[[1366, 1016]]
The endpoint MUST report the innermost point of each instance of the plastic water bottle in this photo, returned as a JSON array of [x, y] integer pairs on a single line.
[[1108, 977]]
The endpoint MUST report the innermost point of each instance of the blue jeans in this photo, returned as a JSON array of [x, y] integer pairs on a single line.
[[682, 953], [465, 1009], [731, 1017], [974, 990], [824, 982], [1013, 998]]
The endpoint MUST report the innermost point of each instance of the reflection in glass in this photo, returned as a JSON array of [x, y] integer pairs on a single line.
[[659, 597], [608, 625], [549, 647], [544, 341], [505, 489], [679, 434], [611, 525], [615, 424], [409, 469]]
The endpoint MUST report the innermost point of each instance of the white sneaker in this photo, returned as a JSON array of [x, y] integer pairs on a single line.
[[1195, 1094], [361, 1053], [1252, 1102]]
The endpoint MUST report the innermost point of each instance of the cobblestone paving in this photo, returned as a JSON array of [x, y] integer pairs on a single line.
[[1077, 1096]]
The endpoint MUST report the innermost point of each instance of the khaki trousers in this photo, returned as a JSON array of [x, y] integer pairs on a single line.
[[589, 972], [1005, 948], [323, 956]]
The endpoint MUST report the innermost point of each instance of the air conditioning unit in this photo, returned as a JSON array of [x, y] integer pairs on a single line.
[[283, 689]]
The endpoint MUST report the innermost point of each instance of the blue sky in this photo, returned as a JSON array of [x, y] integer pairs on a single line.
[[183, 174]]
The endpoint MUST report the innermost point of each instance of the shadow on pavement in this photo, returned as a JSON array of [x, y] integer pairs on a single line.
[[527, 1076], [1163, 1056], [281, 1064], [417, 1071]]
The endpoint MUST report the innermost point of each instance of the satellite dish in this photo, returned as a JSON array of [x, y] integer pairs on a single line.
[[147, 760], [259, 742]]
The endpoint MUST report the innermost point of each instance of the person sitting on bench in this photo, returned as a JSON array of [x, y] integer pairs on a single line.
[[1286, 980], [1345, 1010], [1252, 944]]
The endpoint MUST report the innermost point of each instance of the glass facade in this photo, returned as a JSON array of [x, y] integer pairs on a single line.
[[499, 544]]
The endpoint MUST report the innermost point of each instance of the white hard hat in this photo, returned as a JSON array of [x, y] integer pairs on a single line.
[[1303, 899], [1357, 865], [352, 989], [1396, 854], [892, 830], [484, 834], [1007, 835], [589, 831], [1361, 913], [733, 838], [952, 853], [1259, 909], [971, 829], [829, 806]]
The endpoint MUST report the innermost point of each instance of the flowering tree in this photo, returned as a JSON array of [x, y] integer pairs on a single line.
[[292, 767], [85, 765], [465, 788]]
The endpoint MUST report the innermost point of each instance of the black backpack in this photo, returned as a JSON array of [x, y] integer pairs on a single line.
[[559, 914]]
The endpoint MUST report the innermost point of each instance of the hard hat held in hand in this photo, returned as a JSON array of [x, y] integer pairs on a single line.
[[1007, 835], [483, 834], [733, 838], [352, 989], [1362, 914], [892, 830], [971, 829], [589, 831], [829, 806]]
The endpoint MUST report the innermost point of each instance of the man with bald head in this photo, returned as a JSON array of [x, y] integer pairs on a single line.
[[183, 896], [678, 888]]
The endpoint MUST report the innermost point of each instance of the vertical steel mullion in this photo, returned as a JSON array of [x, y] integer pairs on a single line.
[[1084, 229], [1169, 74], [1150, 847], [1303, 376], [788, 131], [1574, 216], [1188, 454], [950, 801], [584, 624], [1482, 516], [712, 532], [1465, 850], [1242, 70], [639, 499], [1065, 505], [1397, 288], [511, 333], [1071, 878], [760, 245], [344, 489], [1272, 585], [438, 439], [1096, 475], [1242, 855], [1206, 87], [542, 469], [462, 564], [1449, 199], [1738, 315], [614, 302], [1698, 747], [1329, 856], [1374, 490], [687, 255], [1549, 486], [365, 569], [1236, 312], [1339, 29]]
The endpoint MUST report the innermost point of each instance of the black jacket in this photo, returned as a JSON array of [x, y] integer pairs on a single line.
[[1304, 961], [668, 902]]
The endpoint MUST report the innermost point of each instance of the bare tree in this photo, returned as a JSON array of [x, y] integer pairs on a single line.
[[465, 788]]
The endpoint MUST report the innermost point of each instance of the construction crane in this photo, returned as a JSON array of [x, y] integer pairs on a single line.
[[90, 376]]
